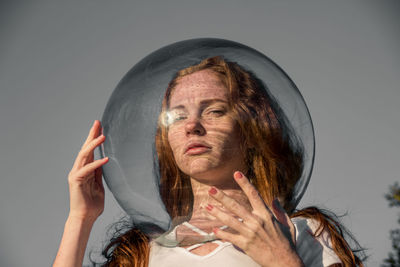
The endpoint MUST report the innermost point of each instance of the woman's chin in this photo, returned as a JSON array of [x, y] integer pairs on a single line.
[[212, 179], [202, 170], [208, 172]]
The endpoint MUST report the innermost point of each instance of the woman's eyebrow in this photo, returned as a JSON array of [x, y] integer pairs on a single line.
[[211, 101], [204, 102], [177, 107]]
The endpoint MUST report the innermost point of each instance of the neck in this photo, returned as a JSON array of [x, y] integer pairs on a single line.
[[200, 218], [202, 198]]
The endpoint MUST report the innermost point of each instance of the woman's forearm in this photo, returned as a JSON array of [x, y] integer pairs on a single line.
[[73, 242]]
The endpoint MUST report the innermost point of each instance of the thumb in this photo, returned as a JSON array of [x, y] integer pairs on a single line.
[[283, 218], [98, 176]]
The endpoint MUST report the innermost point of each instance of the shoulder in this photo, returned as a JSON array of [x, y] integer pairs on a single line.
[[314, 250]]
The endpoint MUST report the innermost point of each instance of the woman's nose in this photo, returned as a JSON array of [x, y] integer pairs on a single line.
[[193, 126]]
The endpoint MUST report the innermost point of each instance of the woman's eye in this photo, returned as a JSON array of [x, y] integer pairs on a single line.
[[173, 117], [179, 118], [217, 112]]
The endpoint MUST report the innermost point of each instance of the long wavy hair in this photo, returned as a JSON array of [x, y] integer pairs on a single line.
[[274, 157]]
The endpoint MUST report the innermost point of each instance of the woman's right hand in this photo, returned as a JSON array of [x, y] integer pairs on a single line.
[[85, 179]]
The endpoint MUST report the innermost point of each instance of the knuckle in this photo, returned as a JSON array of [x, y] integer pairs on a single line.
[[93, 142], [82, 152], [246, 245], [260, 222], [235, 206], [255, 227], [256, 224], [86, 151], [99, 139], [71, 178], [252, 235], [253, 192], [90, 146], [72, 173]]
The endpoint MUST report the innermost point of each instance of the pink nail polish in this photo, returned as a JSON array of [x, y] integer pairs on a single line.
[[209, 207], [239, 175], [212, 191]]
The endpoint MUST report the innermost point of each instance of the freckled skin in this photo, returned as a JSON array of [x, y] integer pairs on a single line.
[[200, 113], [203, 115]]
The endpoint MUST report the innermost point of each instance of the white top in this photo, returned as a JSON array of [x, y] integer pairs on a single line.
[[315, 252]]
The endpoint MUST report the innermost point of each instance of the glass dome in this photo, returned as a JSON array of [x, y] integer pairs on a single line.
[[131, 117]]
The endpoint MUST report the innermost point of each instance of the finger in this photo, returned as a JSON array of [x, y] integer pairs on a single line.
[[235, 239], [257, 203], [228, 220], [279, 213], [282, 216], [98, 176], [86, 153], [93, 133], [88, 149], [91, 167], [232, 205]]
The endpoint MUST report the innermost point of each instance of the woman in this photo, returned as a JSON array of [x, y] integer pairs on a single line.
[[228, 158]]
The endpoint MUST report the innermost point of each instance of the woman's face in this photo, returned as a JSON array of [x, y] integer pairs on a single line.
[[202, 133]]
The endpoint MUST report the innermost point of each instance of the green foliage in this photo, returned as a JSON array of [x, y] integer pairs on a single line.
[[394, 195], [393, 259]]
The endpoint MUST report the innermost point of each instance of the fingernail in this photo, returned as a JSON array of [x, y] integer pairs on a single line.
[[238, 175], [212, 191], [209, 207]]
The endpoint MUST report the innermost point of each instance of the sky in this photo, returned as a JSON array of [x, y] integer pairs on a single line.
[[61, 60]]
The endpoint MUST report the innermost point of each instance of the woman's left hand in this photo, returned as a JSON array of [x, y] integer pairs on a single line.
[[267, 236]]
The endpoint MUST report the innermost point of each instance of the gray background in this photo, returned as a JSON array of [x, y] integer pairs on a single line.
[[61, 60]]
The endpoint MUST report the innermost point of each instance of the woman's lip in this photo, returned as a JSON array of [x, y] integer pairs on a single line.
[[196, 150]]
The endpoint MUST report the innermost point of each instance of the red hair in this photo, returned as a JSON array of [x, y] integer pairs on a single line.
[[274, 156]]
